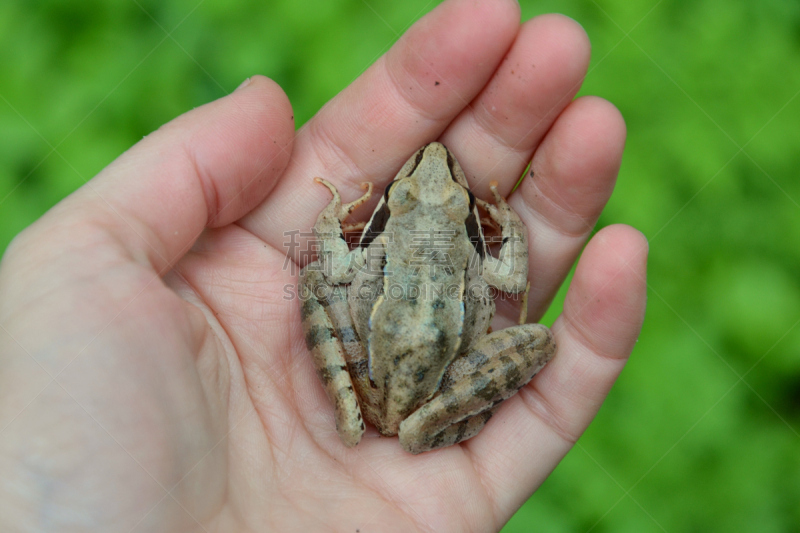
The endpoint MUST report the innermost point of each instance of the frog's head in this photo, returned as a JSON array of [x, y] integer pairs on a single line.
[[430, 179]]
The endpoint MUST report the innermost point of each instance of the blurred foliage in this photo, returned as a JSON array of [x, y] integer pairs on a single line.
[[701, 432]]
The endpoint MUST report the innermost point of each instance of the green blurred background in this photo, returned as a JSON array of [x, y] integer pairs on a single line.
[[702, 430]]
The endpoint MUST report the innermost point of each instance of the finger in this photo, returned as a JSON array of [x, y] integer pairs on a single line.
[[603, 314], [208, 167], [494, 138], [572, 175], [401, 102]]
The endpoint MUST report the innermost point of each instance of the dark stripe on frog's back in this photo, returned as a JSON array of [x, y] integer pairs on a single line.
[[475, 234], [450, 164], [418, 159], [376, 225]]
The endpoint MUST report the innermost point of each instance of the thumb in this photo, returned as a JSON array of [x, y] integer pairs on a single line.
[[206, 168]]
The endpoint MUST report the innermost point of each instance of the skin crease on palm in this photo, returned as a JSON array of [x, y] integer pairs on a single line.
[[153, 376]]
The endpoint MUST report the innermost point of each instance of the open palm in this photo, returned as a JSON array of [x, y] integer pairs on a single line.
[[154, 374]]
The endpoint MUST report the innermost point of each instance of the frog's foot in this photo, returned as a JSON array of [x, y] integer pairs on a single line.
[[495, 212], [341, 211], [499, 365], [348, 208]]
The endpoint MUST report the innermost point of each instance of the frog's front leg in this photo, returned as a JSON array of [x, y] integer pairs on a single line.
[[509, 270], [496, 367], [335, 258]]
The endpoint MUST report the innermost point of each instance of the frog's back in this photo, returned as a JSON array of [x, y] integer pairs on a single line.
[[416, 324]]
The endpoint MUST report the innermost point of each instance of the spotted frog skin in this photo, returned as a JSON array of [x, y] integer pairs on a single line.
[[399, 327]]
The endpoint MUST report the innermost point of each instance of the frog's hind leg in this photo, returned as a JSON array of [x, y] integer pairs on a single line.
[[322, 305], [453, 434], [492, 371]]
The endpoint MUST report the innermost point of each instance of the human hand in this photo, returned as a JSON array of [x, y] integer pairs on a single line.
[[154, 380]]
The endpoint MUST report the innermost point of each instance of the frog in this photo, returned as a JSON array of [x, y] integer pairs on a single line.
[[399, 327]]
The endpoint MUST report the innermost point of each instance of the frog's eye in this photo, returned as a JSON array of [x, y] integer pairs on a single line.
[[388, 188]]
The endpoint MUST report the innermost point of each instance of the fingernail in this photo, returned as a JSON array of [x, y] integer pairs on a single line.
[[244, 84]]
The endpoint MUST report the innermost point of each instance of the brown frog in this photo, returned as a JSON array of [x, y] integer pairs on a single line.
[[399, 326]]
